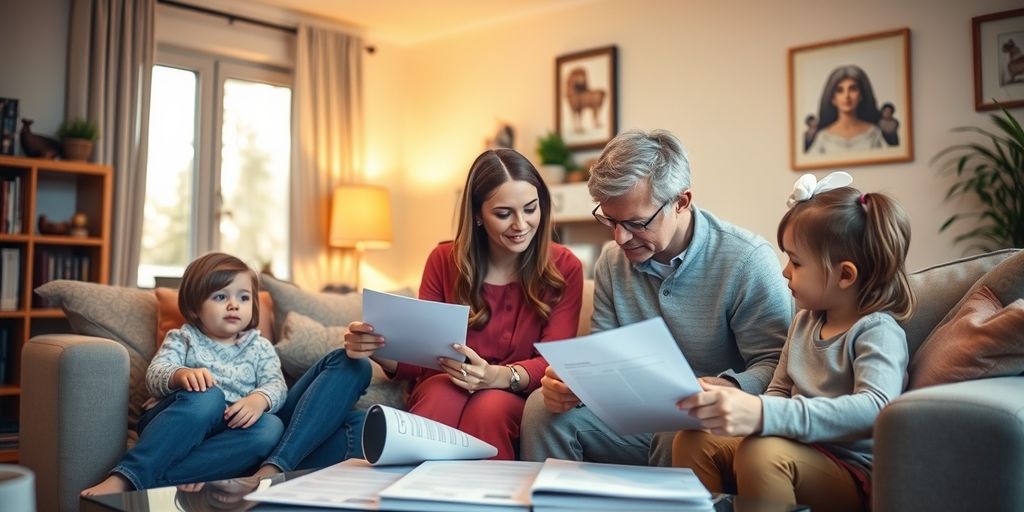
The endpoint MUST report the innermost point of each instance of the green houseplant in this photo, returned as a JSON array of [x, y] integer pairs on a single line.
[[994, 175], [77, 138], [555, 157]]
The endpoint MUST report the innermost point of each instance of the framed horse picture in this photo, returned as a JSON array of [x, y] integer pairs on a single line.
[[998, 60], [586, 97]]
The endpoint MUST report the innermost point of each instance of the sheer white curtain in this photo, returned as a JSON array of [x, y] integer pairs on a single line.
[[110, 65], [328, 149]]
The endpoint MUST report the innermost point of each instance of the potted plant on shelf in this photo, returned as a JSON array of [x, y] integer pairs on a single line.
[[555, 158], [994, 175], [77, 137]]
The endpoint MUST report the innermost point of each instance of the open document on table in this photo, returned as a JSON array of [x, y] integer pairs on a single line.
[[630, 377], [563, 484], [350, 485], [415, 331], [463, 486]]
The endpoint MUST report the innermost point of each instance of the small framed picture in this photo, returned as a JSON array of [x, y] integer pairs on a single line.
[[998, 60], [850, 101], [586, 97]]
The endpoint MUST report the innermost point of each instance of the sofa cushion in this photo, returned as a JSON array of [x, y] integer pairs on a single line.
[[982, 339], [939, 288], [168, 316], [124, 315], [326, 308], [304, 341]]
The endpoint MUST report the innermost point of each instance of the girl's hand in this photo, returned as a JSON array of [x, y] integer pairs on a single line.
[[192, 379], [725, 410], [245, 412], [360, 342], [477, 373]]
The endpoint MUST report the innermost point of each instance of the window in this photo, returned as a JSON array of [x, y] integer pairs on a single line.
[[219, 165]]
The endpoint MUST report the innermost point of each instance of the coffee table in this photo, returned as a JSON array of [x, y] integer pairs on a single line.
[[228, 495]]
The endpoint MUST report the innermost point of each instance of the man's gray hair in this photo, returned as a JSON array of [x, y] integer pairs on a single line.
[[635, 155]]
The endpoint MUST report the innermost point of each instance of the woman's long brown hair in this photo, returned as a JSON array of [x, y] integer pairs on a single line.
[[542, 283]]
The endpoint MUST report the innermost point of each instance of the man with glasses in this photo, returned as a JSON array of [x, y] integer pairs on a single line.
[[719, 288]]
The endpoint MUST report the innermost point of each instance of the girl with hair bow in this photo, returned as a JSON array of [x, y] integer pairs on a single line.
[[807, 439]]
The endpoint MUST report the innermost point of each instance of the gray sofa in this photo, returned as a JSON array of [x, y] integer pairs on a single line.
[[949, 447]]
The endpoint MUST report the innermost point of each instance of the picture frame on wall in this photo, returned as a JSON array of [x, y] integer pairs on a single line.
[[849, 101], [998, 40], [586, 97]]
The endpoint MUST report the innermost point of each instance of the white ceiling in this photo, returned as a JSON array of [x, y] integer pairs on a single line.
[[414, 21]]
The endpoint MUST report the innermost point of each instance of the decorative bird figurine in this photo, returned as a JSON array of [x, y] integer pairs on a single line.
[[37, 145]]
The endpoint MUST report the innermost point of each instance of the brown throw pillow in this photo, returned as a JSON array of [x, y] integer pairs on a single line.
[[168, 316], [983, 339]]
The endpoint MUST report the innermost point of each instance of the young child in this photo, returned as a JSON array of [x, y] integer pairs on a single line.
[[808, 438], [214, 379]]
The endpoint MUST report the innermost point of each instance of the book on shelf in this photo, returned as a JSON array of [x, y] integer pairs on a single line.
[[10, 205], [5, 356], [8, 125], [59, 263], [10, 278]]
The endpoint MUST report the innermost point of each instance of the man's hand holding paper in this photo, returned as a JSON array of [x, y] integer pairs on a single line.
[[631, 377], [558, 398]]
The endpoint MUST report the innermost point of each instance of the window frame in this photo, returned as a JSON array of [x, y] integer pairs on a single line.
[[212, 71]]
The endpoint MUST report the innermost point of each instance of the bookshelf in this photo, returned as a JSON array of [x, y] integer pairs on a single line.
[[30, 187]]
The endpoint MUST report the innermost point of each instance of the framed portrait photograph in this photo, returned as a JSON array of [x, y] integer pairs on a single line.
[[586, 97], [998, 60], [849, 102]]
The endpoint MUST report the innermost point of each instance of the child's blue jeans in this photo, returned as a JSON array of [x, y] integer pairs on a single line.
[[322, 429], [185, 438]]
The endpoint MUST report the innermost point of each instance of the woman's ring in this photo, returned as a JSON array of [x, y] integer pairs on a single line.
[[463, 370]]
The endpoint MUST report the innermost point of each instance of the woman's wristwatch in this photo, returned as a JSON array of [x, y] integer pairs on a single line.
[[516, 383]]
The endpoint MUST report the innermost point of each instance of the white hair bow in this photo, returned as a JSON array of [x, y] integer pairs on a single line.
[[808, 186]]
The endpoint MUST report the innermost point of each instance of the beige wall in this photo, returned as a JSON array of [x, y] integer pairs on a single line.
[[713, 72]]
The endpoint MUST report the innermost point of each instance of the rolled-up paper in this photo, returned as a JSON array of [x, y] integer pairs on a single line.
[[391, 436]]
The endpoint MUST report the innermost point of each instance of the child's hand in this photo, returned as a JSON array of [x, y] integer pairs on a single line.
[[725, 410], [245, 412], [193, 379]]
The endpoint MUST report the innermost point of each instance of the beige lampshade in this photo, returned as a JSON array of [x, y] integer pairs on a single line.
[[360, 217]]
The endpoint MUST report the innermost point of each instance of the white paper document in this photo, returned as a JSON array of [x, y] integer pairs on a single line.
[[456, 486], [351, 485], [415, 331], [391, 436], [563, 484], [630, 377]]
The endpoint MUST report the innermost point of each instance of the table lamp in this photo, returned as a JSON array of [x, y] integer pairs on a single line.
[[360, 219]]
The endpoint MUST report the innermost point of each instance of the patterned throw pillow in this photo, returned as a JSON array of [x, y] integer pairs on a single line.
[[304, 341], [124, 315]]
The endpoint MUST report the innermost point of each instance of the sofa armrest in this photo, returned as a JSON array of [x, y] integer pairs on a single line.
[[74, 414], [952, 447]]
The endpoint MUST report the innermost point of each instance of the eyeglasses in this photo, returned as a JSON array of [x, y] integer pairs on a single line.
[[628, 225]]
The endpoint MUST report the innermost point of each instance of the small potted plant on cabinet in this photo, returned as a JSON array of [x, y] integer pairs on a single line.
[[77, 137], [555, 158]]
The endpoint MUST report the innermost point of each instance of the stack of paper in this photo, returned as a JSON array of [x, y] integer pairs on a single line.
[[496, 486], [352, 485], [457, 486], [565, 485]]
